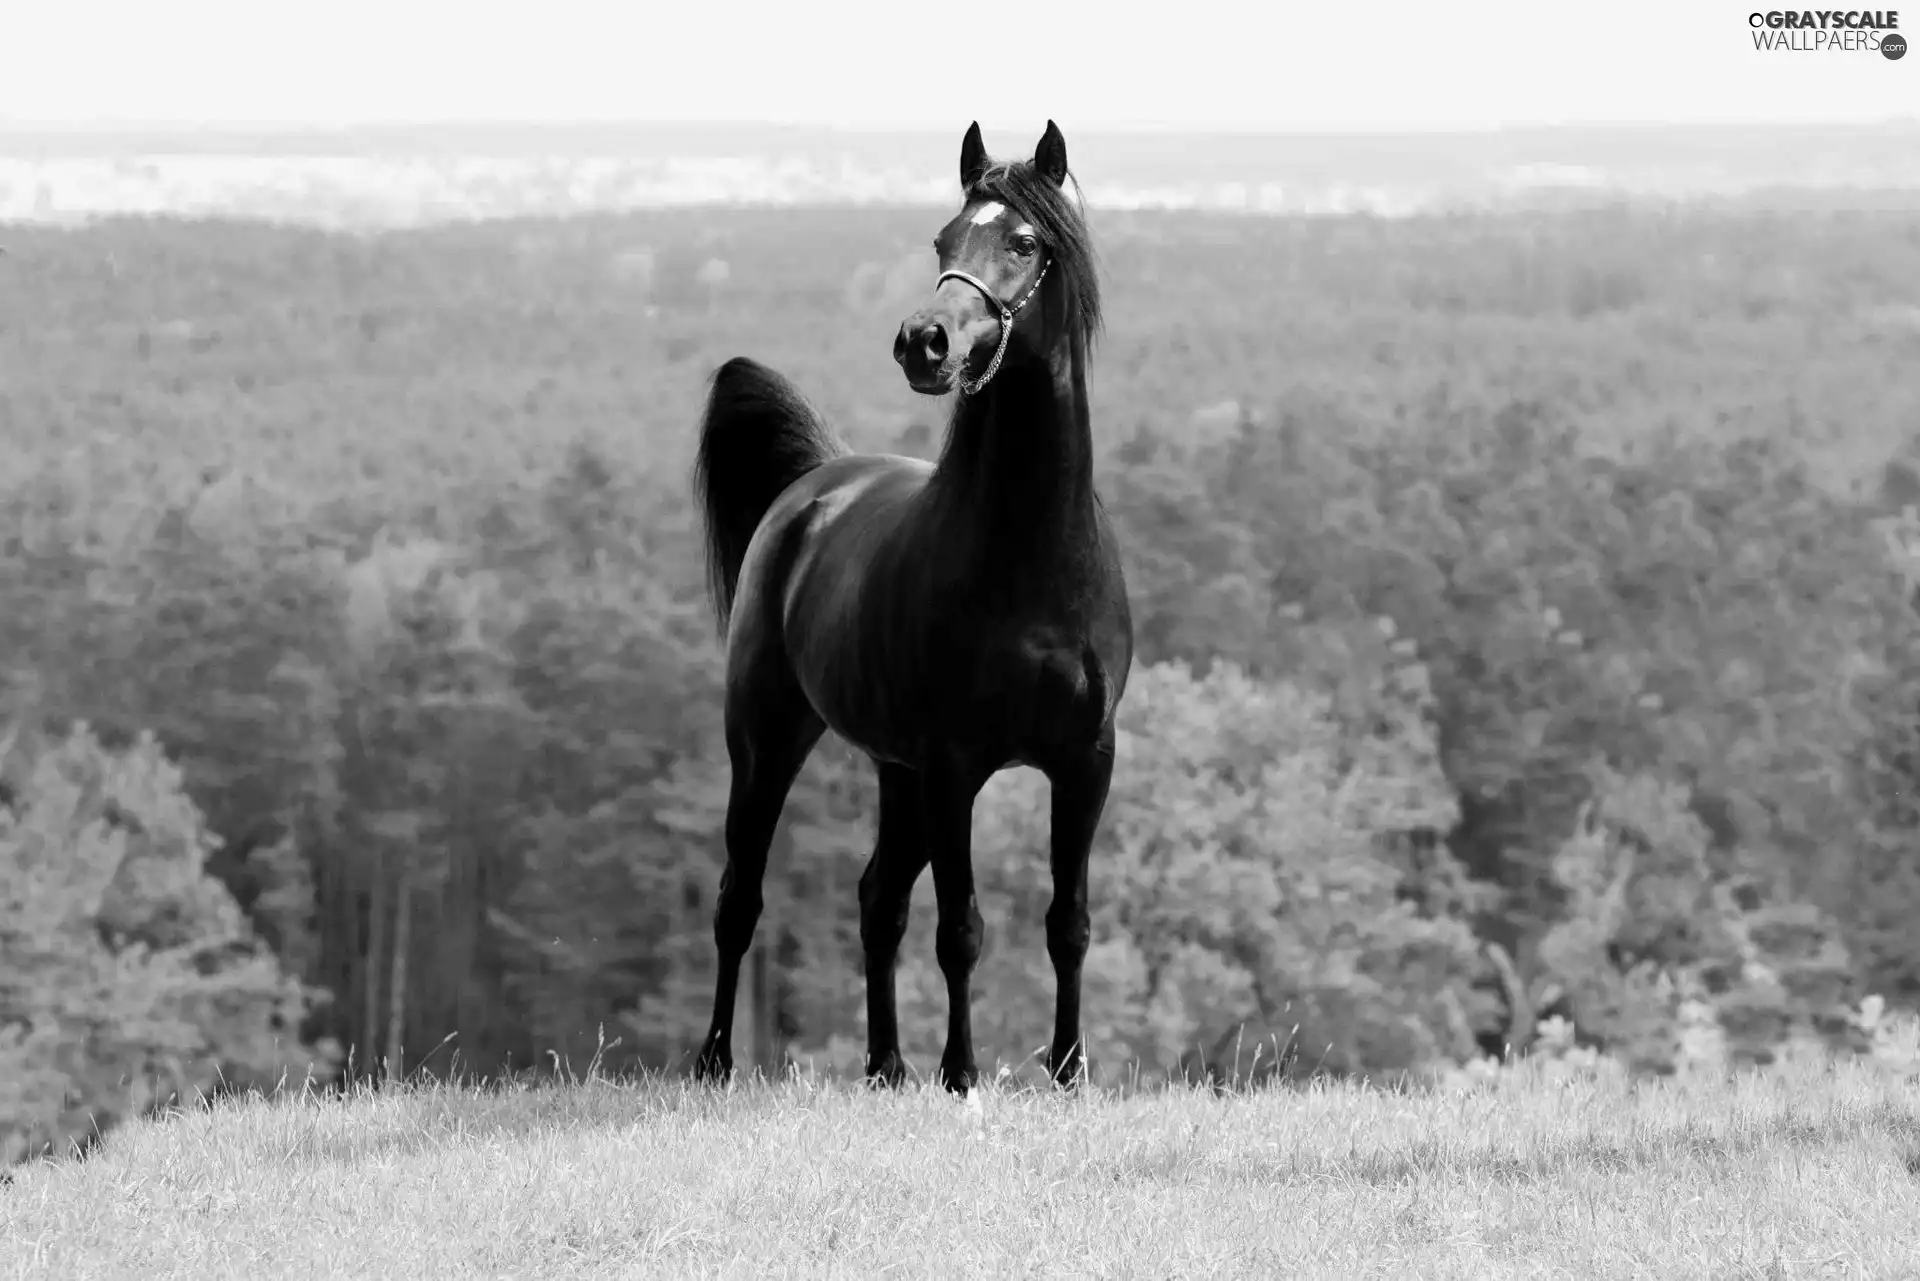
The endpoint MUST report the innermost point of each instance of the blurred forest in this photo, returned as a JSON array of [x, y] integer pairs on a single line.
[[1526, 610]]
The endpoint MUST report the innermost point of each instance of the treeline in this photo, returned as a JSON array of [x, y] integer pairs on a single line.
[[1511, 642]]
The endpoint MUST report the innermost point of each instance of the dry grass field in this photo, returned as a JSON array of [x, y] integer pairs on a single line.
[[1807, 1171]]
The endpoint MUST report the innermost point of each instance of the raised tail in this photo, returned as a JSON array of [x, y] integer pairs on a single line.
[[759, 435]]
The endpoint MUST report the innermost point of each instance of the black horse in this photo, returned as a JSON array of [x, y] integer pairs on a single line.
[[950, 620]]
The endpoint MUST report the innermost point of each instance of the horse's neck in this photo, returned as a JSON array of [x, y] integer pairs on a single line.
[[1017, 471]]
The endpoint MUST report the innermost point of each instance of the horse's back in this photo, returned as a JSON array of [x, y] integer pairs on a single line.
[[823, 568], [841, 508], [820, 540]]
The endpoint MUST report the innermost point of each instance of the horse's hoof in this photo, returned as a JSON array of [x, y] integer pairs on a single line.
[[959, 1078], [888, 1073], [712, 1068], [1068, 1071]]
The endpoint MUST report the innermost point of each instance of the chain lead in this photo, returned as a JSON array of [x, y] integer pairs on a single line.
[[1006, 321]]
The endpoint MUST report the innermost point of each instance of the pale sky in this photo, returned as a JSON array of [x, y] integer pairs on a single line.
[[1009, 63]]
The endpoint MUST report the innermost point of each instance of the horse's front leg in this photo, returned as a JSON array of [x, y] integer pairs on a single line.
[[948, 792], [886, 890], [1079, 796]]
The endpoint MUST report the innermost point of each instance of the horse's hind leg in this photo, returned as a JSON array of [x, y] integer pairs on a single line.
[[886, 888], [770, 730]]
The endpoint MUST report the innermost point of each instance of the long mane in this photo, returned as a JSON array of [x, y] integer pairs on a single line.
[[1071, 296]]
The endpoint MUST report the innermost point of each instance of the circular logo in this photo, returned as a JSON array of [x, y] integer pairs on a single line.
[[1894, 47]]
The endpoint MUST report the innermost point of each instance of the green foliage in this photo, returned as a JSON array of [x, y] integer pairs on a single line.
[[1649, 928], [1689, 609], [128, 977]]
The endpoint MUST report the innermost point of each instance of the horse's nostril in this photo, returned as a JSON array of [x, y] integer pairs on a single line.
[[935, 339]]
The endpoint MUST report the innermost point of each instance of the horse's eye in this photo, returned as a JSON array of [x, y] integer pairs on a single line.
[[1025, 245]]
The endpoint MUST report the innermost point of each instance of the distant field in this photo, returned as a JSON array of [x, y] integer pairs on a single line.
[[1812, 1173], [335, 360], [428, 174]]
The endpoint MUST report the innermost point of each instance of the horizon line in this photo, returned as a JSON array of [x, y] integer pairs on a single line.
[[1252, 129]]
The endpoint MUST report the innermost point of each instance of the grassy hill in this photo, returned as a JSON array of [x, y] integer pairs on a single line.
[[1811, 1171]]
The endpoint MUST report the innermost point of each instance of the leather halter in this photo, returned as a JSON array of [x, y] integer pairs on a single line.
[[1006, 320]]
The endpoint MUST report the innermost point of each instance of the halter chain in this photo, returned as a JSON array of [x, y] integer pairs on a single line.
[[1006, 321]]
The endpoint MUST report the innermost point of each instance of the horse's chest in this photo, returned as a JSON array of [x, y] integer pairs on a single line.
[[1037, 691]]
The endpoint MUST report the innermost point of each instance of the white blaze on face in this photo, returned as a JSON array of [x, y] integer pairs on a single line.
[[987, 213]]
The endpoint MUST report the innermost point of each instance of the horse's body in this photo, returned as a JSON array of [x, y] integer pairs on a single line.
[[950, 620]]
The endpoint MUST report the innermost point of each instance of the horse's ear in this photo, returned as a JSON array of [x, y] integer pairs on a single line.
[[1050, 157], [973, 157]]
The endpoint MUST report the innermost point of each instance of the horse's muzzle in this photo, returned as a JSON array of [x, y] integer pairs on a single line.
[[921, 350]]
